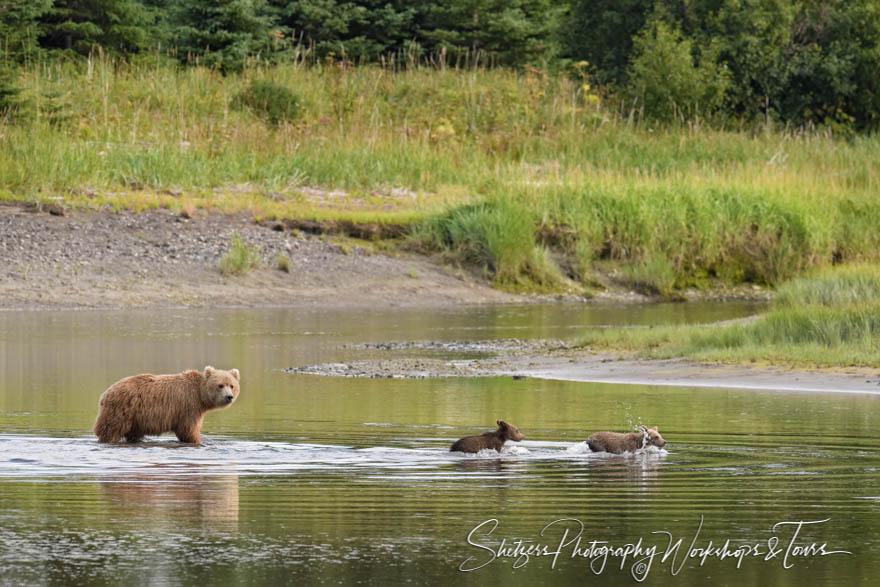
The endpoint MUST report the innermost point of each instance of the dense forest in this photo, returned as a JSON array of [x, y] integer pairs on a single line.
[[796, 62]]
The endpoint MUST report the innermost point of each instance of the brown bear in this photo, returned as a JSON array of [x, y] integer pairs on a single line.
[[617, 443], [494, 439], [152, 404]]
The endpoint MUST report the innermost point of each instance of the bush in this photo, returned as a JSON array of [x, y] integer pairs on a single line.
[[272, 102], [666, 83], [498, 236], [240, 258]]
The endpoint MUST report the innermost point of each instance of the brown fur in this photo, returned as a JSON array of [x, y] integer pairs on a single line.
[[617, 443], [152, 404], [494, 439]]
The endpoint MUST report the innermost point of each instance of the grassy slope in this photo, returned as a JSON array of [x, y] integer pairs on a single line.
[[514, 172]]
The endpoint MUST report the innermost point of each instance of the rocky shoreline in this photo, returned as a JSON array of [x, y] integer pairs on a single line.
[[53, 258], [549, 359], [156, 258]]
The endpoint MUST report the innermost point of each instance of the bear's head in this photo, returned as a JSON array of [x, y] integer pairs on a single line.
[[221, 387], [652, 437], [509, 431]]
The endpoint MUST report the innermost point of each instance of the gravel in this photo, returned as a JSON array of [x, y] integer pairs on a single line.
[[157, 258]]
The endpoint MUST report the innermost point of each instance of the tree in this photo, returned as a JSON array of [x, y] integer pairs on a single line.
[[510, 32], [601, 32], [18, 27], [666, 81], [221, 33], [361, 30], [118, 26], [9, 91], [832, 61]]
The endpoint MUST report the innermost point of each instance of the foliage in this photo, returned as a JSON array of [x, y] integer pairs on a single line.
[[496, 235], [666, 84], [838, 286], [270, 101], [223, 34], [800, 62], [240, 258], [121, 26], [509, 32], [505, 166], [359, 31], [19, 28], [601, 32], [10, 99]]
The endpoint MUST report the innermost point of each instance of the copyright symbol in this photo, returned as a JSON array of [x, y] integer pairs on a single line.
[[640, 570]]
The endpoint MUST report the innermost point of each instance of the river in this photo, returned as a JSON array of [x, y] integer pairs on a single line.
[[326, 480]]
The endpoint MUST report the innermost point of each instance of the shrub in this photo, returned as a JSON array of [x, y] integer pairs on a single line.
[[497, 235], [240, 258], [666, 83], [272, 102], [283, 263]]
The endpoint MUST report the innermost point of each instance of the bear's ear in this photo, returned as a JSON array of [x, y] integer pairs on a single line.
[[655, 429], [235, 373], [208, 370], [501, 423]]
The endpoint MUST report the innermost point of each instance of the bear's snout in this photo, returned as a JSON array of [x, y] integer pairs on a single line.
[[229, 397]]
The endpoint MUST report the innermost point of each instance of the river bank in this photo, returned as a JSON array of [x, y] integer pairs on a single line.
[[61, 258], [157, 258], [557, 360]]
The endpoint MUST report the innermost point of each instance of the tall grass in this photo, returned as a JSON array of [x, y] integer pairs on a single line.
[[832, 288], [498, 236], [830, 318], [240, 258], [540, 178]]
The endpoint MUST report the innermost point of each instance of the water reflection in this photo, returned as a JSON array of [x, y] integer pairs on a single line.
[[207, 500], [311, 480]]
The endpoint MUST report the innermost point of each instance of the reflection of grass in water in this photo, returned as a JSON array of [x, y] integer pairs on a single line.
[[831, 318]]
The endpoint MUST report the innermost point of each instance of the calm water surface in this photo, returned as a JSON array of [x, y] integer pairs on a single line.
[[315, 480]]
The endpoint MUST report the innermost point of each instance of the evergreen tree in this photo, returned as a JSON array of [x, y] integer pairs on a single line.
[[601, 32], [221, 33], [18, 27], [10, 101], [361, 30], [510, 32], [118, 26]]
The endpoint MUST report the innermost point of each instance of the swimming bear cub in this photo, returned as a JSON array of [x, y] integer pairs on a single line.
[[617, 443], [494, 439]]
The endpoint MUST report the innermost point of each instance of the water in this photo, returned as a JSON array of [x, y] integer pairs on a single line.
[[316, 480]]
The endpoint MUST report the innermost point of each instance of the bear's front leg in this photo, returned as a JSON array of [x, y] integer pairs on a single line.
[[189, 435], [190, 431]]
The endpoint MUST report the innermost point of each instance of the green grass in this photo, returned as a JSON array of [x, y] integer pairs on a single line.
[[517, 173], [830, 318], [497, 236], [282, 263], [240, 258]]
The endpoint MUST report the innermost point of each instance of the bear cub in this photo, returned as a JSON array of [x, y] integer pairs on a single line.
[[152, 404], [617, 443], [495, 439]]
